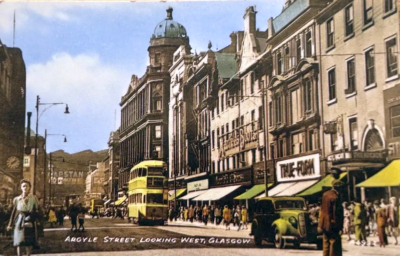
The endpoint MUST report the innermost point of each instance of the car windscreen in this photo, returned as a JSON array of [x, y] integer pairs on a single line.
[[289, 204]]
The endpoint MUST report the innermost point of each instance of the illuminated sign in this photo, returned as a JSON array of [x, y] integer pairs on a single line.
[[299, 168]]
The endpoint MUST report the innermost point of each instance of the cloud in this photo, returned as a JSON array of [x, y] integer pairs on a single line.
[[92, 90]]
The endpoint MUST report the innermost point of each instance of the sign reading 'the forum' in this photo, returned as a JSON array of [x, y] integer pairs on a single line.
[[300, 168]]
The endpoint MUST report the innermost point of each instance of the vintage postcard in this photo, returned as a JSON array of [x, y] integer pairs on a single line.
[[259, 127]]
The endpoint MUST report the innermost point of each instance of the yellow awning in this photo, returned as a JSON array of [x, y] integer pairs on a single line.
[[254, 191], [387, 177], [179, 192], [120, 201], [319, 186]]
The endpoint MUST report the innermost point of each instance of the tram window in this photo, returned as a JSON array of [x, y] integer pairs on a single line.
[[149, 182], [144, 172], [155, 198], [158, 182], [144, 198]]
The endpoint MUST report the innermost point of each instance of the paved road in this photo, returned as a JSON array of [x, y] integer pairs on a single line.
[[117, 237]]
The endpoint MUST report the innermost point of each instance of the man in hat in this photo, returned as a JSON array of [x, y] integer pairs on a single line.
[[331, 220]]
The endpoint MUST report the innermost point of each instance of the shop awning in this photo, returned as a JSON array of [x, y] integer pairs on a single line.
[[120, 201], [277, 189], [192, 195], [107, 202], [179, 192], [318, 187], [254, 191], [297, 187], [387, 177], [215, 194]]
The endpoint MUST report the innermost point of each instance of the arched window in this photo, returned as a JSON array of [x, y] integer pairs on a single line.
[[373, 141]]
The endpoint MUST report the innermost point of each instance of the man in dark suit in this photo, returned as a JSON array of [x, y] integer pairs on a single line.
[[331, 220]]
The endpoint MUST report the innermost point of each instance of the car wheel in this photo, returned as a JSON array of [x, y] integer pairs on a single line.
[[278, 240]]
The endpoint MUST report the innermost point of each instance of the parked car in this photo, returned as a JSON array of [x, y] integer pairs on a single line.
[[284, 219]]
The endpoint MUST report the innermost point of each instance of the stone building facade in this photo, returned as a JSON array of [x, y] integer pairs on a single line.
[[144, 108]]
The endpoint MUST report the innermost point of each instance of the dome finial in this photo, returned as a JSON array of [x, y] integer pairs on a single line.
[[209, 45], [169, 13]]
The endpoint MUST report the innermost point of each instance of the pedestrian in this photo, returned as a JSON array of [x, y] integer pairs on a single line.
[[73, 213], [52, 216], [23, 219], [227, 217], [205, 214], [60, 217], [170, 211], [360, 221], [381, 222], [346, 220], [81, 219], [331, 220], [393, 218], [185, 214], [232, 212], [199, 214], [212, 214], [244, 217], [191, 213], [217, 214], [237, 217], [370, 215]]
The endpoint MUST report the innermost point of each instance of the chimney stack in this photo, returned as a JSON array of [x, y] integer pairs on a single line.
[[250, 20]]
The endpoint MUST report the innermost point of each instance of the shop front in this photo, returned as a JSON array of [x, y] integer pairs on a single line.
[[225, 186], [295, 175], [194, 189], [359, 165]]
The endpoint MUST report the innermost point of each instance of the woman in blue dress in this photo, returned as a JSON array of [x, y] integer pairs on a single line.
[[23, 219]]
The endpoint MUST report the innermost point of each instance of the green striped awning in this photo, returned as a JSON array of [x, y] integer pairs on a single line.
[[179, 192], [254, 191], [318, 187]]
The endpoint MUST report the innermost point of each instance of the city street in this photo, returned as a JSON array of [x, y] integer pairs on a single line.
[[104, 235]]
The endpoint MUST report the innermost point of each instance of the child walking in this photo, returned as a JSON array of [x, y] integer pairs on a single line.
[[81, 218]]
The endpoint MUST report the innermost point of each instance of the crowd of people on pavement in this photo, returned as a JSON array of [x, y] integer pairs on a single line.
[[236, 215]]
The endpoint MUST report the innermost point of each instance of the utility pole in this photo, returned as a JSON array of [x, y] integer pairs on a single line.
[[44, 167]]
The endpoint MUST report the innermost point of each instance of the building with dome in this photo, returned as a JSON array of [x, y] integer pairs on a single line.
[[144, 107]]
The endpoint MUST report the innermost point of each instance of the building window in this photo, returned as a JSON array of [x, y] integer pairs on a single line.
[[158, 131], [222, 102], [222, 134], [261, 84], [242, 120], [332, 84], [157, 58], [297, 143], [389, 5], [260, 117], [311, 140], [217, 104], [241, 89], [253, 117], [227, 164], [334, 141], [213, 139], [278, 110], [157, 151], [270, 112], [253, 156], [157, 107], [391, 56], [308, 44], [252, 76], [370, 66], [298, 49], [349, 20], [227, 131], [272, 151], [368, 11], [234, 161], [213, 166], [281, 148], [287, 58], [218, 143], [295, 106], [223, 165], [351, 77], [279, 60], [219, 166], [307, 95], [233, 125], [353, 133], [330, 32], [395, 121]]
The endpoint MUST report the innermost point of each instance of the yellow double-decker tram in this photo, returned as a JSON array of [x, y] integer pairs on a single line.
[[148, 193]]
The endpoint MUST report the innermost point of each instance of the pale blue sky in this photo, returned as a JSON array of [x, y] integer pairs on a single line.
[[84, 54]]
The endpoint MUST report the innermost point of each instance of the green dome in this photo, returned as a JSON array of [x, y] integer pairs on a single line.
[[169, 28]]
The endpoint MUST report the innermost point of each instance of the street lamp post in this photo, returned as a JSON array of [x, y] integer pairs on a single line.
[[38, 104], [45, 164]]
